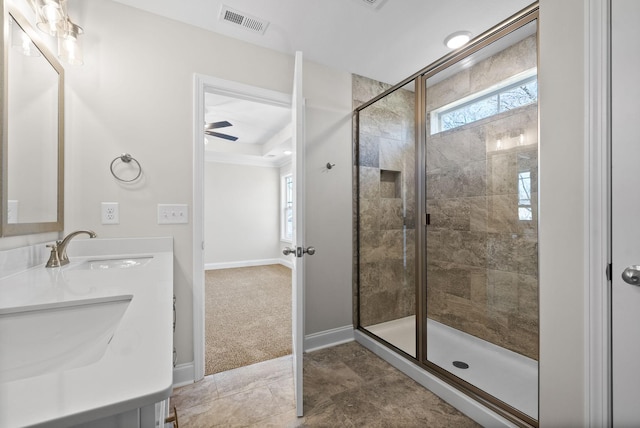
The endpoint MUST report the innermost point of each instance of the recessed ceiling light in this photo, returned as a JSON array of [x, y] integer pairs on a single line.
[[457, 39], [287, 152]]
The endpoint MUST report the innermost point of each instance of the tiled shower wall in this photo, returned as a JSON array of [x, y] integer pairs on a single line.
[[386, 166], [482, 257]]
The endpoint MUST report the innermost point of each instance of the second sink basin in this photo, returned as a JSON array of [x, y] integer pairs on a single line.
[[56, 337]]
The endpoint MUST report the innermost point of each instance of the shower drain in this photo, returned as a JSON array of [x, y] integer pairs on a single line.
[[461, 364]]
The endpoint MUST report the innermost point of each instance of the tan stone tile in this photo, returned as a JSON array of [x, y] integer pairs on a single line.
[[502, 213], [326, 378], [241, 409], [391, 214], [326, 414], [369, 214], [284, 420], [368, 150], [369, 181], [475, 178], [284, 393], [450, 213], [194, 394], [447, 150], [502, 176], [253, 376]]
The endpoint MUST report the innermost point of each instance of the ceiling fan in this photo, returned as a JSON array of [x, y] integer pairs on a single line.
[[209, 127]]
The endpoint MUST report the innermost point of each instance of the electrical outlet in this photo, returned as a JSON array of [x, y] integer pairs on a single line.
[[110, 213], [173, 213]]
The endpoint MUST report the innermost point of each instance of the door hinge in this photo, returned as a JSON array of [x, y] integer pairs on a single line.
[[428, 219], [608, 272]]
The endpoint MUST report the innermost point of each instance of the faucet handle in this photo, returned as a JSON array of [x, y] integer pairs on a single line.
[[54, 259]]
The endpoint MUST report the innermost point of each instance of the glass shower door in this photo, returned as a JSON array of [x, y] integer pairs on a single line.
[[481, 174], [386, 216]]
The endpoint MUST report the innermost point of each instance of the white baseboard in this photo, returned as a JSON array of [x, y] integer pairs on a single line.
[[183, 374], [328, 338], [448, 393], [287, 263], [247, 263]]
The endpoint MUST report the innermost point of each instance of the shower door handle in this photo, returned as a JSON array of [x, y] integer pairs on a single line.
[[631, 275]]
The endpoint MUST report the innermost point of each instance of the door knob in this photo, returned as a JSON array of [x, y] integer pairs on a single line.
[[631, 275], [298, 251]]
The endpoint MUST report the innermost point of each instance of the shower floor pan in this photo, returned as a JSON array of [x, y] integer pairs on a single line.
[[508, 376]]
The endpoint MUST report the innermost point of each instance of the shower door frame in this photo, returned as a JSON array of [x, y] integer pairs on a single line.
[[527, 15]]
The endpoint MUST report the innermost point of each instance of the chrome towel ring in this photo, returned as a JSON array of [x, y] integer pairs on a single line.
[[126, 158]]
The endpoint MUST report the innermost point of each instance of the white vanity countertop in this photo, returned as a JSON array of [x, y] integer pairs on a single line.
[[136, 369]]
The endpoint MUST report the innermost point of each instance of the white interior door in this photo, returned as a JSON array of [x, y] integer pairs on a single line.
[[297, 280], [625, 212]]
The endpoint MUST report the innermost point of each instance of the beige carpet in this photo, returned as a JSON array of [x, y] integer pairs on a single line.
[[247, 316]]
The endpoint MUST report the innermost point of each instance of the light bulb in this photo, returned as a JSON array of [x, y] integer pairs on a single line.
[[457, 39]]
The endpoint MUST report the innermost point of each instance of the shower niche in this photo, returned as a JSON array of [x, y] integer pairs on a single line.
[[446, 217]]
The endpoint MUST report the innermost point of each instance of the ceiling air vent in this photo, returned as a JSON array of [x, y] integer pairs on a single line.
[[243, 20], [373, 4]]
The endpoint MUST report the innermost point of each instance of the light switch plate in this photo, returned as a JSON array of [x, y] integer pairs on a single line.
[[173, 214], [110, 213]]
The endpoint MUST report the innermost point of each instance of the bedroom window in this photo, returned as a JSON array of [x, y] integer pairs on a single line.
[[286, 217]]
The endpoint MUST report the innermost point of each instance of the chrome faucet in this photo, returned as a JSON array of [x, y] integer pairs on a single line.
[[58, 255]]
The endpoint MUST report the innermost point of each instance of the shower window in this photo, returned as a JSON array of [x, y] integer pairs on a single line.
[[514, 92]]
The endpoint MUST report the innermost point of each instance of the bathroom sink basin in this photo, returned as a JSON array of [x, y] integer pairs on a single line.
[[123, 263], [49, 338]]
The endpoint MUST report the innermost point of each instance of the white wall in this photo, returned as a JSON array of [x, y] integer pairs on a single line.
[[561, 85], [134, 94], [328, 207], [241, 213]]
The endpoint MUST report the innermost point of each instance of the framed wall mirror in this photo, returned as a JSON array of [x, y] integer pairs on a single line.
[[32, 132]]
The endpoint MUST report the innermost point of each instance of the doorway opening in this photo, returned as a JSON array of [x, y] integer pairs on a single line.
[[242, 281], [247, 280]]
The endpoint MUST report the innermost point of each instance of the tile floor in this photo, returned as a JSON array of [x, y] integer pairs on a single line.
[[344, 386]]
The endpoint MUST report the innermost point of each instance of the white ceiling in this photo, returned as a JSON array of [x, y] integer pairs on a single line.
[[263, 130], [387, 44]]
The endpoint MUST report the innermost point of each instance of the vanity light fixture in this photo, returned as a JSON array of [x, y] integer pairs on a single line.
[[69, 44], [52, 18], [50, 14], [457, 39]]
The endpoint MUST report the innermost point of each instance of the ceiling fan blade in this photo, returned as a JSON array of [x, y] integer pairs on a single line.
[[219, 135], [216, 125]]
